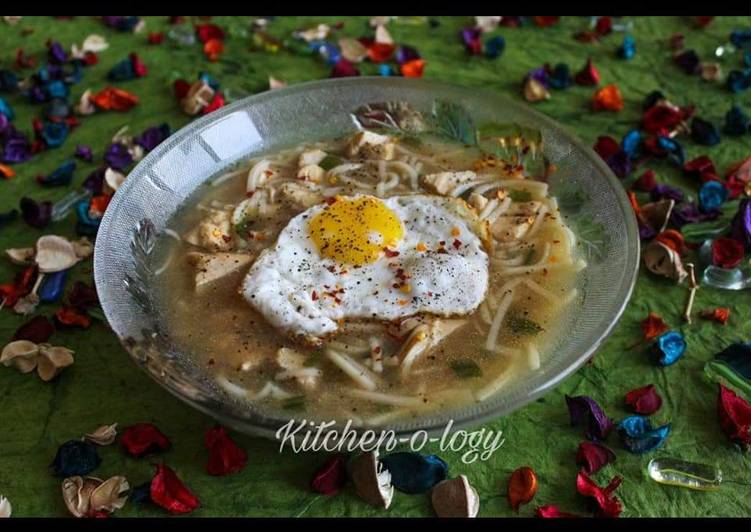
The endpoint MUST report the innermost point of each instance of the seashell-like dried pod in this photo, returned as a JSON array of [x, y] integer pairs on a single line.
[[372, 482], [54, 254], [104, 435], [382, 35], [5, 507], [95, 43], [52, 360], [108, 496], [657, 213], [85, 106], [21, 256], [22, 354], [661, 260], [77, 494], [112, 180], [455, 498], [83, 247]]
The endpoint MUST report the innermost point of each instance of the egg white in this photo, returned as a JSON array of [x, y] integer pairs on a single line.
[[289, 282]]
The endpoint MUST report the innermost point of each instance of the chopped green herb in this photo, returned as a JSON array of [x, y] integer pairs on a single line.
[[329, 162], [571, 197], [520, 195], [592, 237], [520, 325], [453, 121], [294, 403], [466, 369]]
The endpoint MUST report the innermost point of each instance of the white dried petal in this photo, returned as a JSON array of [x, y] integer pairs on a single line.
[[21, 354], [108, 496], [486, 23], [382, 35], [52, 360], [54, 254], [77, 494], [379, 21], [316, 33], [95, 43], [12, 20], [104, 435], [85, 106], [5, 507], [276, 83], [27, 304], [113, 180], [21, 255], [353, 50]]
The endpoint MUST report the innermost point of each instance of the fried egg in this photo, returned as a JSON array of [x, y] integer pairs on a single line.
[[362, 257]]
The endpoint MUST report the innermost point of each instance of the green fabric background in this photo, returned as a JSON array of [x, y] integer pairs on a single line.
[[104, 386]]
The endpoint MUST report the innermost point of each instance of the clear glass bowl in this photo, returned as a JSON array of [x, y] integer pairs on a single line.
[[124, 257]]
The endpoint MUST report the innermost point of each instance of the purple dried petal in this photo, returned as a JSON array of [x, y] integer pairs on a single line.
[[405, 54], [36, 214], [540, 75], [95, 181], [153, 136], [662, 191], [56, 53], [741, 225], [118, 156], [17, 148], [620, 164], [646, 232], [84, 152], [583, 409], [689, 213], [472, 40]]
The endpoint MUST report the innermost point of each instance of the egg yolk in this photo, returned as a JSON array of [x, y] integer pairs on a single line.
[[355, 231]]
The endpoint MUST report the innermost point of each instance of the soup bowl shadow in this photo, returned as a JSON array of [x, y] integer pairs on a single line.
[[126, 253]]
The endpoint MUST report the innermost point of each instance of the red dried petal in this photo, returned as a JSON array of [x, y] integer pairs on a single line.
[[225, 456], [379, 52], [522, 487], [644, 401], [660, 118], [552, 511], [72, 317], [90, 58], [208, 32], [672, 239], [216, 103], [735, 417], [156, 37], [589, 75], [330, 477], [726, 252], [181, 88], [740, 171], [114, 99], [168, 491], [138, 66], [37, 330], [653, 326], [606, 147], [213, 48], [719, 314], [699, 166], [606, 504], [544, 22], [645, 182], [703, 22], [143, 438], [413, 69], [593, 456], [604, 25], [82, 296]]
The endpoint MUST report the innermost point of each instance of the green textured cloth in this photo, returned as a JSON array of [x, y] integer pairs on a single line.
[[104, 386]]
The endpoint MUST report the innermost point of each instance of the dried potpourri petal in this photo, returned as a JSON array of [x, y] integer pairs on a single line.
[[104, 435], [592, 457], [668, 348], [741, 224], [644, 400], [143, 438], [522, 487], [735, 417], [653, 326], [21, 354], [712, 195], [604, 503], [588, 75], [552, 511], [413, 472], [225, 456], [585, 410], [638, 435], [168, 491], [608, 98], [37, 330], [75, 457], [727, 252], [52, 360], [36, 214], [344, 68], [114, 99], [331, 476], [413, 69], [719, 314], [704, 132], [61, 176], [455, 498], [71, 317], [662, 260], [736, 122]]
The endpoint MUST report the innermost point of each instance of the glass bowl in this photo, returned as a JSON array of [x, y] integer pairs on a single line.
[[124, 259]]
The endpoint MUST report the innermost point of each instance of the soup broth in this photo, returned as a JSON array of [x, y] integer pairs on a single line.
[[369, 370]]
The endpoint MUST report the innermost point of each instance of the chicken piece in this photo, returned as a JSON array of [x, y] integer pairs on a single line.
[[257, 207], [311, 157], [478, 201], [292, 363], [213, 233], [212, 267], [514, 223], [425, 337], [311, 172], [369, 145], [298, 195], [445, 182]]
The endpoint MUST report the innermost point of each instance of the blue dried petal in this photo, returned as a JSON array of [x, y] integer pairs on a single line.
[[140, 493], [712, 195], [668, 348], [495, 46], [736, 122], [741, 38], [6, 110], [56, 89], [674, 149], [413, 472], [628, 48], [560, 77], [86, 225], [747, 59], [738, 81], [60, 177], [210, 80], [632, 144], [328, 51], [75, 457], [122, 71], [55, 133], [75, 75], [8, 80], [583, 409], [57, 109], [385, 70], [703, 132], [53, 286], [638, 435]]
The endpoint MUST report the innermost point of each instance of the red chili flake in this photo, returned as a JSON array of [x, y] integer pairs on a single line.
[[544, 22], [522, 487], [645, 182], [456, 243], [608, 98], [168, 491], [735, 417], [156, 37], [653, 326], [606, 504], [225, 456], [330, 477], [213, 48], [314, 296], [552, 511], [215, 104], [672, 239], [726, 252], [380, 52], [719, 314], [413, 68], [37, 330], [71, 317], [660, 118], [592, 457], [142, 439], [645, 401], [389, 253], [604, 25], [114, 99], [589, 75], [208, 32]]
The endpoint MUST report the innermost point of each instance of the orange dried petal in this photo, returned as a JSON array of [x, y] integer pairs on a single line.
[[522, 487]]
